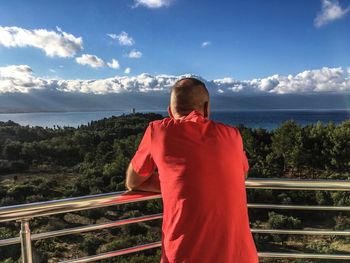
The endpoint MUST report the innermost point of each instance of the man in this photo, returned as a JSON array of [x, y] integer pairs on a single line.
[[201, 171]]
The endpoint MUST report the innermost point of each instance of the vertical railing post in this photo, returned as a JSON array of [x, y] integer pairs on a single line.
[[26, 242]]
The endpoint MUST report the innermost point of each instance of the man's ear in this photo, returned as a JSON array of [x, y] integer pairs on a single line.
[[170, 113], [206, 109]]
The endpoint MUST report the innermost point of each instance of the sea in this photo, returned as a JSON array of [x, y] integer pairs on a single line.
[[267, 119]]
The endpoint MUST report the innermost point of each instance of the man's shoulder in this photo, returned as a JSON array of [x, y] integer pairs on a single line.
[[229, 128], [156, 123]]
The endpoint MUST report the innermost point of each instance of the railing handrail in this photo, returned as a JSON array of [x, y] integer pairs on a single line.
[[299, 184], [31, 210]]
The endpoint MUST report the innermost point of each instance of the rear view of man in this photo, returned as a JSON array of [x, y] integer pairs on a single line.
[[201, 170]]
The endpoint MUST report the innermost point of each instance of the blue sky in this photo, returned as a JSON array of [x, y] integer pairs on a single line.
[[144, 46], [248, 39]]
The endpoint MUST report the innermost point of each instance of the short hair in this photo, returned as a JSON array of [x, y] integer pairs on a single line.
[[192, 81], [188, 94]]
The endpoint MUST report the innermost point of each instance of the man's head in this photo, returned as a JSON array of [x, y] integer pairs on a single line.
[[188, 94]]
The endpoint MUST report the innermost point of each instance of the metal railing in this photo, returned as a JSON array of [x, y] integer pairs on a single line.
[[24, 213]]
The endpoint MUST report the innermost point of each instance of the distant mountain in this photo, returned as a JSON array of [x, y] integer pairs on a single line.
[[44, 101]]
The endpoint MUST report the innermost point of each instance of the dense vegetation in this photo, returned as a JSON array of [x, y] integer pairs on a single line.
[[39, 164]]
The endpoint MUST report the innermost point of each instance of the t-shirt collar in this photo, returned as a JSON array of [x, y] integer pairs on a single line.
[[194, 115]]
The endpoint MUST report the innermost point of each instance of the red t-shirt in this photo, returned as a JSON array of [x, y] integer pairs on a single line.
[[201, 166]]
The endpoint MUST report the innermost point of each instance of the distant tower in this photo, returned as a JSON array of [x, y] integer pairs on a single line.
[[133, 110]]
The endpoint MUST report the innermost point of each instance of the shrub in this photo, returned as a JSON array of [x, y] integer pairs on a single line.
[[278, 221]]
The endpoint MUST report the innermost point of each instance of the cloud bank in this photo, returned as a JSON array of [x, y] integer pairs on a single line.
[[309, 81], [53, 43], [331, 10], [20, 79]]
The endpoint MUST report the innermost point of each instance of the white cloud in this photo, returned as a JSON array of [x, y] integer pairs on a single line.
[[142, 83], [127, 70], [152, 3], [269, 83], [20, 78], [114, 64], [331, 10], [96, 62], [123, 38], [236, 88], [90, 60], [135, 54], [206, 43], [309, 81], [54, 44]]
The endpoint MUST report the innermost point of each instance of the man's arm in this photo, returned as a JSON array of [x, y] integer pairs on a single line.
[[136, 182]]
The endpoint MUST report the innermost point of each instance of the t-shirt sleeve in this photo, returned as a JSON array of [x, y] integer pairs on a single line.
[[142, 162]]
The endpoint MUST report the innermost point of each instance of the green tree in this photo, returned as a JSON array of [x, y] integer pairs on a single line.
[[287, 146]]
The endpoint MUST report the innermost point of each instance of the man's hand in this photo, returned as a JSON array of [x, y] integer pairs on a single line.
[[142, 183]]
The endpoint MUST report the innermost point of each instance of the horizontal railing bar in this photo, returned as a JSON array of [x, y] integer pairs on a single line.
[[300, 232], [114, 253], [302, 255], [298, 184], [70, 231], [158, 244], [82, 229], [77, 230], [301, 207], [9, 241], [17, 212]]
